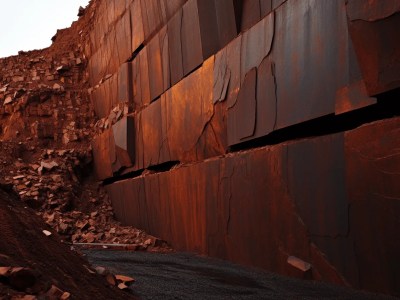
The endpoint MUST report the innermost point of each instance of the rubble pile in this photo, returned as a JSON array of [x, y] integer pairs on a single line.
[[80, 213], [41, 97], [47, 122]]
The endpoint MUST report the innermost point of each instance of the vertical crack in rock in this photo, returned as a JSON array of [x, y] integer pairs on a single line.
[[204, 128]]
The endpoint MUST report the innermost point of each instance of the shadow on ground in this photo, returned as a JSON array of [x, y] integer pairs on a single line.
[[187, 276]]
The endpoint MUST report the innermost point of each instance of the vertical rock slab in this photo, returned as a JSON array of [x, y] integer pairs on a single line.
[[123, 37], [227, 29], [140, 80], [124, 140], [227, 77], [152, 17], [105, 97], [188, 110], [125, 83], [192, 55], [352, 95], [242, 115], [137, 37], [154, 143], [208, 27], [257, 44], [317, 185], [164, 48], [155, 67], [372, 177], [175, 47], [308, 53], [251, 14], [265, 7], [373, 29], [103, 155]]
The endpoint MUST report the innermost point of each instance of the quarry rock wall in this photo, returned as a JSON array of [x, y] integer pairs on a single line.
[[263, 132]]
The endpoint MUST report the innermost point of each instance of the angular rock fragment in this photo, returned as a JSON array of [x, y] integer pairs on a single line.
[[299, 263]]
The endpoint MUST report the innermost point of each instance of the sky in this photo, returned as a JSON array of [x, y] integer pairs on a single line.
[[30, 24]]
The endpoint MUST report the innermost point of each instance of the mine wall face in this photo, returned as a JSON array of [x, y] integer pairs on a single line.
[[263, 132]]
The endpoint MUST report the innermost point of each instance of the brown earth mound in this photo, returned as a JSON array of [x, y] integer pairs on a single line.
[[48, 264]]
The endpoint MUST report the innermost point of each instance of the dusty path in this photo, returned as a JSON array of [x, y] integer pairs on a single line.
[[185, 276]]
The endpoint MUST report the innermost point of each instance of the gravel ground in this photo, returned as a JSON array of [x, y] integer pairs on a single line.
[[187, 276]]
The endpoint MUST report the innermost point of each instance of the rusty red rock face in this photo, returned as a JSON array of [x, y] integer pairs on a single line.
[[274, 197], [123, 132], [140, 80], [150, 143], [175, 47], [122, 27], [155, 67], [124, 83], [105, 97], [371, 155], [242, 116], [206, 27], [123, 37], [299, 78], [217, 25], [190, 122], [251, 13], [103, 156], [137, 25], [329, 201], [310, 58], [114, 149], [152, 16], [373, 30], [265, 7], [183, 125], [190, 36]]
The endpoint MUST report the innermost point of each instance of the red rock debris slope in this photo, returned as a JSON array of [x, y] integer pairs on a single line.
[[46, 125]]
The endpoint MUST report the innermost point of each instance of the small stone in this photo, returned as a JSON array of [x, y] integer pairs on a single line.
[[47, 166], [8, 100], [54, 293], [61, 152], [101, 270], [65, 296], [299, 263], [111, 279], [35, 167], [4, 89], [125, 279], [47, 233], [4, 270], [122, 286]]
